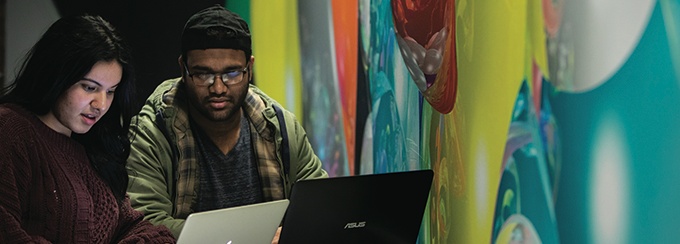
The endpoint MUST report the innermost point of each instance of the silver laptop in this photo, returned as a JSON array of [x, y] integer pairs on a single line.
[[377, 208], [248, 224]]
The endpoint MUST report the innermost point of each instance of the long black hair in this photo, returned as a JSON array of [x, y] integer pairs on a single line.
[[65, 53]]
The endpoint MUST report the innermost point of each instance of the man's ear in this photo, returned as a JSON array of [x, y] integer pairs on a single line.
[[251, 73], [181, 66]]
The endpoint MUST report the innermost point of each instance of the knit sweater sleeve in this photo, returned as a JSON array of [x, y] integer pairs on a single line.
[[134, 229], [15, 161]]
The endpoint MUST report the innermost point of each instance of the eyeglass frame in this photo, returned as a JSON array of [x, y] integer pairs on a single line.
[[215, 75]]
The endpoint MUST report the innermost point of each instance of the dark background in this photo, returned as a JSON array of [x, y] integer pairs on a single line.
[[152, 28]]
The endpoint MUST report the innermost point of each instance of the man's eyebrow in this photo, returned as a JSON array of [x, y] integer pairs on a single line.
[[225, 69]]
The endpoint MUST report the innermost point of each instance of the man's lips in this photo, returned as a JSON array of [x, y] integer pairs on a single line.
[[218, 100], [218, 103]]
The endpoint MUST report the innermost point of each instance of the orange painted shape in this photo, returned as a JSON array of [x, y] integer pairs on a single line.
[[345, 29]]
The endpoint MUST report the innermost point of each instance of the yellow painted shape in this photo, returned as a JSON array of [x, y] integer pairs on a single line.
[[491, 44], [274, 27]]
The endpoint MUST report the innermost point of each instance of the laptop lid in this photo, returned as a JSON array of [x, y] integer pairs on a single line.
[[255, 223], [377, 208]]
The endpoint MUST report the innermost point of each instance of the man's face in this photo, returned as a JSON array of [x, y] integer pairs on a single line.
[[217, 101]]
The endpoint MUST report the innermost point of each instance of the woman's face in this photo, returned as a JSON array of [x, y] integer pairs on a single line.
[[86, 101]]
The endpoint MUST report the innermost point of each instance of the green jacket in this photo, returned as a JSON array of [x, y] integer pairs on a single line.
[[162, 165]]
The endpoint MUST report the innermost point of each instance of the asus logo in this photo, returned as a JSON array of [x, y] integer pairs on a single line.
[[352, 225]]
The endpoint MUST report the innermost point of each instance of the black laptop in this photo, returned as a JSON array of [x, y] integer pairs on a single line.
[[376, 208]]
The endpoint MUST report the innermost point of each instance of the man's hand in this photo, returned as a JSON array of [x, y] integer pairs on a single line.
[[276, 236]]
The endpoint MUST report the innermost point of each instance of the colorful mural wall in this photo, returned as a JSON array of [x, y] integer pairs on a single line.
[[545, 121]]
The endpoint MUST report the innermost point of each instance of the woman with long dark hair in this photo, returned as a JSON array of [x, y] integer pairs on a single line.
[[64, 140]]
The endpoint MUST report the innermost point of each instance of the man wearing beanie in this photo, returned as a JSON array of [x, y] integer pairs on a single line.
[[210, 139]]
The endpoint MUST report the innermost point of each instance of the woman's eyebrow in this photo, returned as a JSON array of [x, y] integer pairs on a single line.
[[96, 82], [93, 81]]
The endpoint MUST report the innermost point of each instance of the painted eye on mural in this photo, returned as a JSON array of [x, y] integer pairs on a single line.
[[424, 33]]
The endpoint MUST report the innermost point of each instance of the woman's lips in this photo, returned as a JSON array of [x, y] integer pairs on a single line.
[[89, 119]]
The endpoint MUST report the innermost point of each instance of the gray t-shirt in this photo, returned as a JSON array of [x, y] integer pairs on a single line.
[[226, 180]]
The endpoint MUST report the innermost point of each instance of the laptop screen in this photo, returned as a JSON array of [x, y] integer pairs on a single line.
[[377, 208], [255, 223]]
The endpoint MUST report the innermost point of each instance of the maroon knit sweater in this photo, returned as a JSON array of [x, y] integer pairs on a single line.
[[49, 192]]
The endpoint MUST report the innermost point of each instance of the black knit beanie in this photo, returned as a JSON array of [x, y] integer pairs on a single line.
[[216, 27]]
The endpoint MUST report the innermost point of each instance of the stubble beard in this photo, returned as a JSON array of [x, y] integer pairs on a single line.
[[221, 115]]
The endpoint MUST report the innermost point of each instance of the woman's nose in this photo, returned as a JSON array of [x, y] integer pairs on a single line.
[[99, 101]]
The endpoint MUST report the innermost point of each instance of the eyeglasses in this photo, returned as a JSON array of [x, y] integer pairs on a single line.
[[232, 77]]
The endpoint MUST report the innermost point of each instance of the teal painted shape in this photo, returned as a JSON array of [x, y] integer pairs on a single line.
[[644, 97], [241, 7]]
